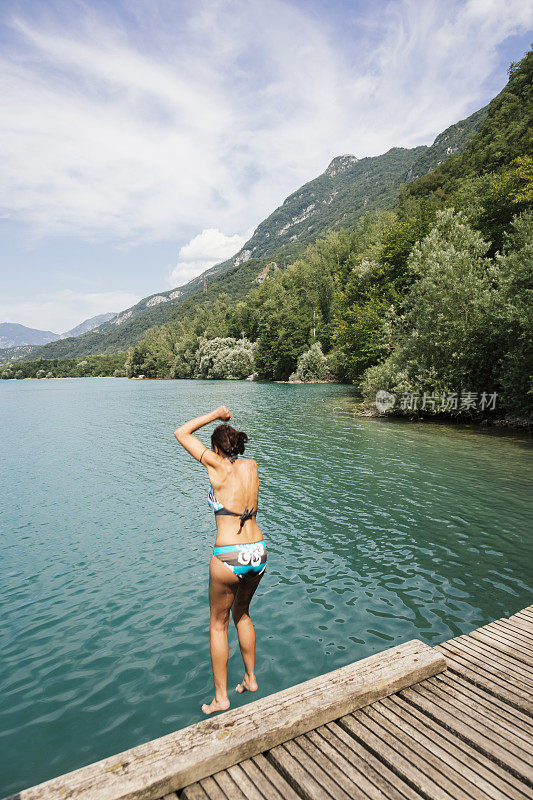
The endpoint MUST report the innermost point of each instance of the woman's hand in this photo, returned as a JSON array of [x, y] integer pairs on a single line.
[[184, 433], [223, 413]]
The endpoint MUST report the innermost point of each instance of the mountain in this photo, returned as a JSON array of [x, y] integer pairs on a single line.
[[88, 325], [19, 342], [453, 140], [345, 191], [12, 335], [503, 136]]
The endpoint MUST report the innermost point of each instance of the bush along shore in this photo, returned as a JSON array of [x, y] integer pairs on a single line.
[[428, 308]]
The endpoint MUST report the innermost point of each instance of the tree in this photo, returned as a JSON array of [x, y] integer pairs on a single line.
[[514, 315], [225, 358], [312, 365], [446, 338]]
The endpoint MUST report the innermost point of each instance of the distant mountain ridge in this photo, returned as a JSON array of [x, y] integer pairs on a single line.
[[19, 340], [89, 324], [12, 334], [345, 191]]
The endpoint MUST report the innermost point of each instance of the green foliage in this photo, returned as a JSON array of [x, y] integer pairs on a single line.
[[312, 365], [514, 315], [93, 366], [454, 139], [435, 295], [449, 308], [504, 136], [362, 309], [348, 190], [468, 318], [224, 358], [493, 199]]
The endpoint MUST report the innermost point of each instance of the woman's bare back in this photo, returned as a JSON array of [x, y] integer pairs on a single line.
[[237, 488]]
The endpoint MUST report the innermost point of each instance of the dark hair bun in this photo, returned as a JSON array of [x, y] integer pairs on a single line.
[[241, 439], [229, 440]]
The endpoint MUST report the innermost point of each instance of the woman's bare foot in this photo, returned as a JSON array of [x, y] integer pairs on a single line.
[[216, 705], [249, 684]]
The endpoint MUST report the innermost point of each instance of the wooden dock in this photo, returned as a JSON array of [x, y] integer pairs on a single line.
[[412, 723]]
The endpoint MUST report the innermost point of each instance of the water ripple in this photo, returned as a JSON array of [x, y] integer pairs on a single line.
[[378, 531]]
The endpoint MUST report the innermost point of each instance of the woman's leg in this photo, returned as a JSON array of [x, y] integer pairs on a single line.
[[246, 630], [222, 588]]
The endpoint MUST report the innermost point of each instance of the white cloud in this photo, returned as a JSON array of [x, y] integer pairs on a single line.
[[62, 310], [206, 115], [208, 248]]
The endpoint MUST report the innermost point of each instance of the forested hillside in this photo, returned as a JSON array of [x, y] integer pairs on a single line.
[[347, 190], [431, 301]]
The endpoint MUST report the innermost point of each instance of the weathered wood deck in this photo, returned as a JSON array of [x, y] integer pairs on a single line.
[[412, 723], [466, 734]]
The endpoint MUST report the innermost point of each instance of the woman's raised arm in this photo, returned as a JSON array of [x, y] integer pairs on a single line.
[[193, 445]]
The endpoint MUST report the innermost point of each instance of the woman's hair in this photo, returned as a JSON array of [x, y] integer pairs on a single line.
[[228, 440]]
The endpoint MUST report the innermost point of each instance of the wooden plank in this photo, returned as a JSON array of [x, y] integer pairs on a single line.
[[385, 747], [295, 774], [470, 707], [259, 780], [325, 773], [335, 772], [506, 739], [525, 617], [374, 773], [194, 792], [412, 746], [491, 680], [498, 629], [457, 768], [523, 612], [484, 654], [526, 612], [506, 713], [499, 645], [477, 735], [522, 625], [260, 788], [212, 789], [265, 769], [247, 787], [228, 786], [476, 763], [508, 635], [518, 633], [179, 759], [342, 761], [527, 629]]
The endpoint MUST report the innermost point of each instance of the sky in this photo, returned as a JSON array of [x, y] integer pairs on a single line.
[[143, 141]]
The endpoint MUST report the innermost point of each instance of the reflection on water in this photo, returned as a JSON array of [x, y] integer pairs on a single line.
[[378, 531]]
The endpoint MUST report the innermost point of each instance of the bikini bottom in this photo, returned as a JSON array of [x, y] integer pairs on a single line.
[[243, 559]]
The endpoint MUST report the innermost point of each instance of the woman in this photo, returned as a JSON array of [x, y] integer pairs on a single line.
[[239, 556]]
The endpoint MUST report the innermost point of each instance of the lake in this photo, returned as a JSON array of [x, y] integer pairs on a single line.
[[378, 531]]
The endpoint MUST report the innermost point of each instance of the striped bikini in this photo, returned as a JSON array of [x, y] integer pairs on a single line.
[[248, 558]]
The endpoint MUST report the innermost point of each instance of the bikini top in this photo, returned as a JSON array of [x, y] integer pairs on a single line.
[[218, 508]]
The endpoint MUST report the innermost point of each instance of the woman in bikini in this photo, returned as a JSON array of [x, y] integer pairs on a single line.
[[239, 556]]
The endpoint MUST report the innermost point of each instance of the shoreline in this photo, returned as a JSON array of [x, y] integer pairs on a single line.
[[516, 423], [512, 422]]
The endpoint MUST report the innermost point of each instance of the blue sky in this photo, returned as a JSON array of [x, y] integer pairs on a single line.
[[143, 141]]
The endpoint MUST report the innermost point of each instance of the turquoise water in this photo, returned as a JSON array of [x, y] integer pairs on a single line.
[[378, 531]]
